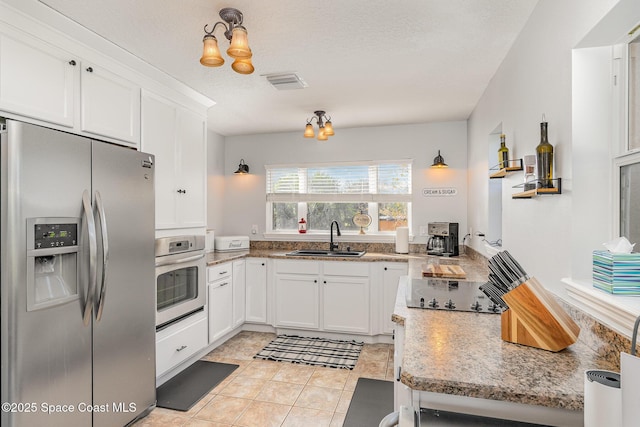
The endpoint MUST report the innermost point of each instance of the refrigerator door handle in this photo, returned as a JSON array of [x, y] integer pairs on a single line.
[[105, 256], [93, 248]]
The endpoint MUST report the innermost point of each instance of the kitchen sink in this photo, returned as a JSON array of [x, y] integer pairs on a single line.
[[322, 253]]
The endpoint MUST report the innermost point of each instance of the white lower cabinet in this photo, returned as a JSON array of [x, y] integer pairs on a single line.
[[297, 301], [220, 309], [178, 342], [239, 292], [256, 290], [401, 392], [345, 305], [220, 300], [331, 296], [391, 273], [346, 293]]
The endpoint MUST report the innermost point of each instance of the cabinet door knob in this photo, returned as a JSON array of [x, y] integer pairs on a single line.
[[72, 62], [315, 281], [262, 263], [90, 69], [385, 268]]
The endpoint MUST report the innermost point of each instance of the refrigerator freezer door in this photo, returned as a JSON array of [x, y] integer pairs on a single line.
[[46, 352], [124, 311]]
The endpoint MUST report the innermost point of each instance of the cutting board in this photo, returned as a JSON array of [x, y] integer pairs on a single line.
[[445, 271]]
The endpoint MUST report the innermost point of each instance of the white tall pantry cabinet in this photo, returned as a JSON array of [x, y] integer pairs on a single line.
[[177, 138]]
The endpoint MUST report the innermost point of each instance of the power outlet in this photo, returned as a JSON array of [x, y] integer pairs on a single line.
[[424, 230], [254, 229]]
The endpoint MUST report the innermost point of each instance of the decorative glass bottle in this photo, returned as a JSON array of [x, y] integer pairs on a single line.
[[544, 158], [503, 154]]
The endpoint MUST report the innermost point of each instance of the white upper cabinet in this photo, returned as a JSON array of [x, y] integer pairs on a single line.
[[42, 82], [176, 136], [37, 80], [110, 105]]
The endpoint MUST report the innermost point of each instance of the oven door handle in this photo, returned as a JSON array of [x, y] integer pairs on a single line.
[[179, 261]]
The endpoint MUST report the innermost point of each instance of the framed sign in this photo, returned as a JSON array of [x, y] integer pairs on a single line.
[[439, 192]]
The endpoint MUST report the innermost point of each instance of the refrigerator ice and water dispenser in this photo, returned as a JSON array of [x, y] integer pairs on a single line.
[[52, 254]]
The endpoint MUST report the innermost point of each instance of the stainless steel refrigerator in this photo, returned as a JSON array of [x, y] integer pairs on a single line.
[[77, 276]]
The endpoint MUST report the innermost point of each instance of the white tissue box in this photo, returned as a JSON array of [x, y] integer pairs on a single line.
[[617, 273]]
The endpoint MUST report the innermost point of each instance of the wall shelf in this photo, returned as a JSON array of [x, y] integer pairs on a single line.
[[514, 165], [528, 194]]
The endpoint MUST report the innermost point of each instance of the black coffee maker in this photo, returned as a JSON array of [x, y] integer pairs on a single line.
[[443, 239]]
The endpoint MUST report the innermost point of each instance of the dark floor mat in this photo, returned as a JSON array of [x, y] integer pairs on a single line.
[[372, 401], [189, 386]]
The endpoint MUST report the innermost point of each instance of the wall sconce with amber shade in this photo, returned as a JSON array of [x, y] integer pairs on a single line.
[[238, 49]]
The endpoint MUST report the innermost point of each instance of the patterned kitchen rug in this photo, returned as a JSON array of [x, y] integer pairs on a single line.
[[312, 351]]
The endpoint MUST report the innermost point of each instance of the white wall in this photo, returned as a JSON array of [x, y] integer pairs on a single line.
[[215, 180], [244, 199], [534, 78]]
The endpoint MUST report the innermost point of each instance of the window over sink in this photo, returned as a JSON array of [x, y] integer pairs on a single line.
[[323, 192]]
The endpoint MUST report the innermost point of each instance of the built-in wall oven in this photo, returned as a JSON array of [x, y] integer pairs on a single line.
[[180, 278]]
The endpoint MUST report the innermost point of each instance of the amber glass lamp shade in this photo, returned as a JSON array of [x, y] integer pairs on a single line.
[[242, 66], [328, 128], [211, 54], [239, 48], [308, 131], [322, 136]]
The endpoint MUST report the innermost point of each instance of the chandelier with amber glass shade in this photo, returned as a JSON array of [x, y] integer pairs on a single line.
[[238, 49], [325, 127]]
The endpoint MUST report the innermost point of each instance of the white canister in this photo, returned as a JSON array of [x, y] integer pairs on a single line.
[[630, 386], [402, 240], [602, 399], [209, 245]]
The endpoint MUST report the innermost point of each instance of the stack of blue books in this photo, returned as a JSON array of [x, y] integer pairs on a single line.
[[617, 273]]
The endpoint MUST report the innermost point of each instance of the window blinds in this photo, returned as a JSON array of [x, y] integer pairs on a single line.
[[384, 181]]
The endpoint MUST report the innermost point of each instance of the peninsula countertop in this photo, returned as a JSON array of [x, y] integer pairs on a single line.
[[462, 353]]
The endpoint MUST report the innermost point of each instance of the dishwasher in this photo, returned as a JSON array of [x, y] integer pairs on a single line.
[[407, 417]]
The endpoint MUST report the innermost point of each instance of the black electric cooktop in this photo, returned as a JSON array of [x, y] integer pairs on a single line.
[[451, 295]]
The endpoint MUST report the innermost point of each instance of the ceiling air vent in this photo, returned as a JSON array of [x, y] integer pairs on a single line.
[[286, 81]]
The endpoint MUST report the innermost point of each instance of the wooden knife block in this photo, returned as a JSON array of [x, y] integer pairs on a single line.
[[535, 319]]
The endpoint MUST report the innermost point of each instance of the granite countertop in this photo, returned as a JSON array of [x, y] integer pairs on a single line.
[[219, 257], [462, 353]]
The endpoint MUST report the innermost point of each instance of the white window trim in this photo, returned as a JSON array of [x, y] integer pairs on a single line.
[[616, 311]]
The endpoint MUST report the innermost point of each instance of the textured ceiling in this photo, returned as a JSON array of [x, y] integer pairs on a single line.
[[374, 62]]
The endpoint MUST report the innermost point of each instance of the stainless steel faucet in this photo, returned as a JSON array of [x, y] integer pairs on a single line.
[[333, 246]]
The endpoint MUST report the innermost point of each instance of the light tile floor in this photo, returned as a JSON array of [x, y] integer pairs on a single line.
[[272, 394]]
